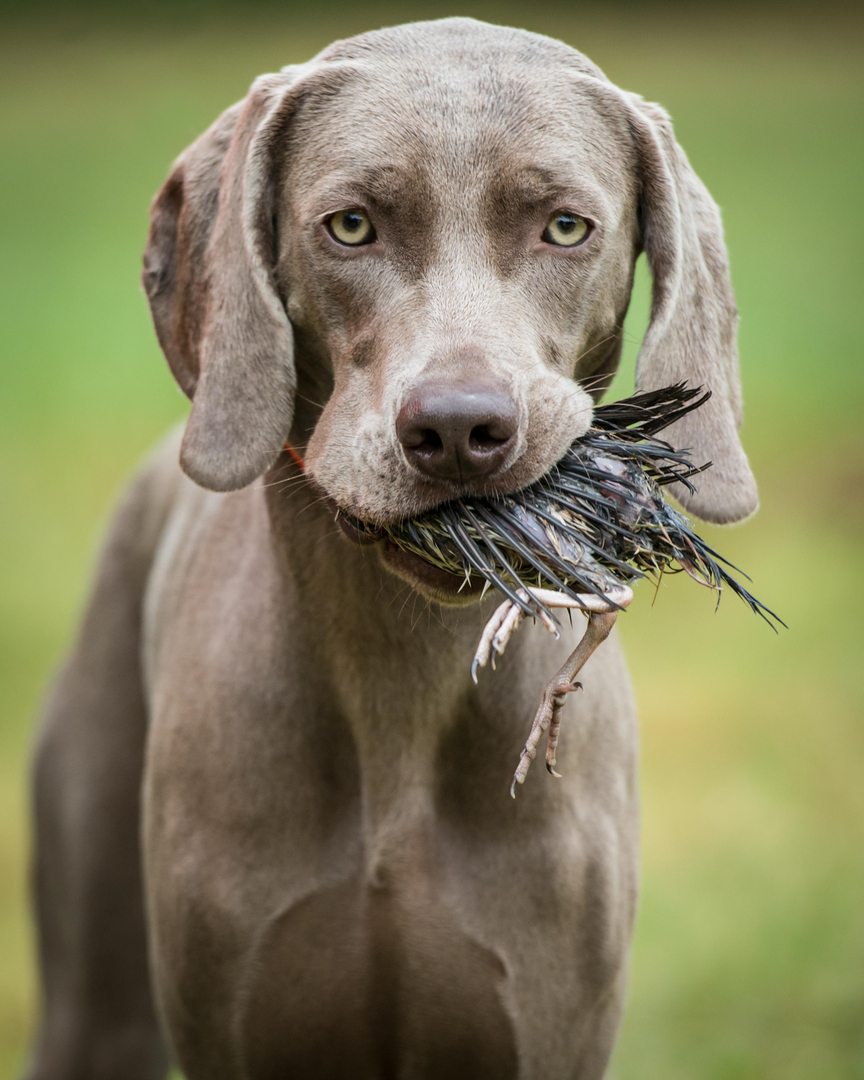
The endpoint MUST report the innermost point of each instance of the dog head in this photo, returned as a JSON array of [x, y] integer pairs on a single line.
[[441, 221]]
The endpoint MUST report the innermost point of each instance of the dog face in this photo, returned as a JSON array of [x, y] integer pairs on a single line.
[[446, 216], [494, 242]]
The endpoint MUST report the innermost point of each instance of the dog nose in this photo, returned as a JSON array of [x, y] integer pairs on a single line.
[[457, 432]]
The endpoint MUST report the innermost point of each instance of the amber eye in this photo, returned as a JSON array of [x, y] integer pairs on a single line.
[[351, 227], [566, 230]]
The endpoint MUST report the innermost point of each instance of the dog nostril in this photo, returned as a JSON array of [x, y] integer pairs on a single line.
[[424, 440], [482, 438], [430, 443]]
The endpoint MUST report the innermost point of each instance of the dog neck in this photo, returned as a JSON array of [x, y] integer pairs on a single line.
[[397, 665], [356, 596]]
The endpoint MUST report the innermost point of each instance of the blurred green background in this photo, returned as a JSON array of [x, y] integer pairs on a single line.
[[749, 951]]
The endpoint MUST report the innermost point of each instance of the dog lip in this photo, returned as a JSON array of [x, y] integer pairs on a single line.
[[366, 536], [348, 527], [414, 569], [428, 578], [419, 573], [428, 499]]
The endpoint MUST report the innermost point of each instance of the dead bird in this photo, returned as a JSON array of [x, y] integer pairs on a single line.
[[578, 537]]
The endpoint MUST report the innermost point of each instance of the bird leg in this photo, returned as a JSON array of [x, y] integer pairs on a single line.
[[508, 617], [602, 612], [548, 715]]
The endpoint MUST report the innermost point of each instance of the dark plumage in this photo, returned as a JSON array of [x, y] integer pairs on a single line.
[[597, 520]]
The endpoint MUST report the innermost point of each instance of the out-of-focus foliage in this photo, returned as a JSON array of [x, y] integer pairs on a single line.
[[749, 951]]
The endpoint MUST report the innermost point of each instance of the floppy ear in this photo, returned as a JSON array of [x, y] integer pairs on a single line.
[[208, 274], [694, 319]]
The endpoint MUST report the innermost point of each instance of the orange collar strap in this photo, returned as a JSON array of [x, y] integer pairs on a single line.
[[295, 455]]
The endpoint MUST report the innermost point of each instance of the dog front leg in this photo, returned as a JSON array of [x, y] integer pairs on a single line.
[[98, 1019]]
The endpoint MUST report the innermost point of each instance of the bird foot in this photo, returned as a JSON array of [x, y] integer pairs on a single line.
[[547, 718]]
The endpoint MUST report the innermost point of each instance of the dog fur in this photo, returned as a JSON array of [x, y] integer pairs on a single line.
[[273, 830]]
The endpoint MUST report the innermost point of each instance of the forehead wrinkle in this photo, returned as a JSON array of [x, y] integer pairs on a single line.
[[387, 191], [383, 186], [461, 121], [440, 111], [535, 186]]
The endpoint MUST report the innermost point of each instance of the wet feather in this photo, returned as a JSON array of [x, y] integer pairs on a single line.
[[598, 519]]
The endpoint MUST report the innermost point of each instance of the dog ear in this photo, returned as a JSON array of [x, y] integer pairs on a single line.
[[208, 274], [692, 333]]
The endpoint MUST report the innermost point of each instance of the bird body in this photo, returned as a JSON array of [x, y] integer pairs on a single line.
[[596, 521]]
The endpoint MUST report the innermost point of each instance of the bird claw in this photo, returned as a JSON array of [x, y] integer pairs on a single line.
[[547, 718]]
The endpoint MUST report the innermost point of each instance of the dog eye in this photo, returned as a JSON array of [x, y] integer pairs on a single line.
[[566, 230], [351, 227]]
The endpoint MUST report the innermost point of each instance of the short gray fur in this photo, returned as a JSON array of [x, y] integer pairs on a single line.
[[335, 882]]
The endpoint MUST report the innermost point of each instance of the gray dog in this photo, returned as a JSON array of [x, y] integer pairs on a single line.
[[273, 821]]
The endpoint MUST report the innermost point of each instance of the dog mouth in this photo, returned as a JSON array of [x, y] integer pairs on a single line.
[[427, 578], [420, 574]]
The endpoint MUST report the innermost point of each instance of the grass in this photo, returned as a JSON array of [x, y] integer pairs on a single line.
[[749, 951]]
